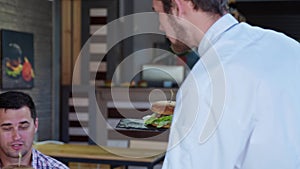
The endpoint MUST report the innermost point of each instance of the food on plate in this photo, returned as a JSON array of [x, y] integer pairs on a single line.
[[162, 114]]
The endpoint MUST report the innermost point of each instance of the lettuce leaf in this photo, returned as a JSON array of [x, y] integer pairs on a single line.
[[160, 122]]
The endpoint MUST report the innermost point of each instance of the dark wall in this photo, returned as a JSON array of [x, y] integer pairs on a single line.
[[35, 16], [283, 16]]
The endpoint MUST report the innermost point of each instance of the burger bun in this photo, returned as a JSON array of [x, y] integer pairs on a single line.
[[167, 126], [163, 107]]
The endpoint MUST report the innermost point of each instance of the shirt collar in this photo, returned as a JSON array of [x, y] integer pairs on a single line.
[[215, 31], [33, 157]]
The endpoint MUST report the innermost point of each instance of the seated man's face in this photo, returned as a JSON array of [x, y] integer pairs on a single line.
[[17, 129]]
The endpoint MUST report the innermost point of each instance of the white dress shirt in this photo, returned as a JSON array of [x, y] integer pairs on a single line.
[[239, 108]]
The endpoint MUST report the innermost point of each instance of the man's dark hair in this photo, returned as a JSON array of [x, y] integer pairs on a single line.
[[17, 100], [213, 6]]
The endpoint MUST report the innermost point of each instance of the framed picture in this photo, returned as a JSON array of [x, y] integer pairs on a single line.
[[17, 60]]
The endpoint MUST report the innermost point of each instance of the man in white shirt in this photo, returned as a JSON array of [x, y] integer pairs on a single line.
[[239, 106]]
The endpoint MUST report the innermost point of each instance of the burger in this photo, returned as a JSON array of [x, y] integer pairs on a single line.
[[162, 114]]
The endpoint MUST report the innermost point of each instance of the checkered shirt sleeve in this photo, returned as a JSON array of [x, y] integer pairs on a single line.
[[42, 161]]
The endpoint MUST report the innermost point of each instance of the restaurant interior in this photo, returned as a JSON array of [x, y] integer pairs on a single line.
[[98, 62]]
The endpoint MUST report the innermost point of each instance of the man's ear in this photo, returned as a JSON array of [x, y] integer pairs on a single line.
[[36, 124], [178, 8]]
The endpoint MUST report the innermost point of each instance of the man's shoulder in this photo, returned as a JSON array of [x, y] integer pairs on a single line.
[[41, 160]]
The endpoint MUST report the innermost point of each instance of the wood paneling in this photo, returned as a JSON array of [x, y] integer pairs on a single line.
[[76, 42], [71, 40], [66, 6], [98, 45]]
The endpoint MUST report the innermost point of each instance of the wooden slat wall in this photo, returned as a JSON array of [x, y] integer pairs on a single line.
[[71, 43], [76, 40], [98, 45], [75, 116], [71, 48], [71, 39], [78, 117], [66, 38]]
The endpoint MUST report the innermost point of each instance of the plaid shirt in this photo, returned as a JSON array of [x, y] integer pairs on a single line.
[[41, 161]]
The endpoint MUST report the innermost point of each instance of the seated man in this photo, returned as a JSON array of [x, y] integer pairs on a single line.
[[18, 124]]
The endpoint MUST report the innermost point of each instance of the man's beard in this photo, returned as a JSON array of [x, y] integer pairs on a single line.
[[16, 155], [178, 47]]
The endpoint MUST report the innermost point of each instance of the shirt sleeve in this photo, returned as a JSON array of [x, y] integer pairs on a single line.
[[42, 161]]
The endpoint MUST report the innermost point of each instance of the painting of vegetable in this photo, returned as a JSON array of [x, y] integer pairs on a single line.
[[17, 57]]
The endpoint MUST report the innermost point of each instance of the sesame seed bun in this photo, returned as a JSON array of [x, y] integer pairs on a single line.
[[163, 107]]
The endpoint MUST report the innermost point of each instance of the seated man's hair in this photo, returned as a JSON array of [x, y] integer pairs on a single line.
[[16, 100]]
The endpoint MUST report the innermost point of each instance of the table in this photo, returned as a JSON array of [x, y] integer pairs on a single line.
[[103, 155]]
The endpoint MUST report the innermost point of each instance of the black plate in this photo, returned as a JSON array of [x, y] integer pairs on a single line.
[[136, 124]]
